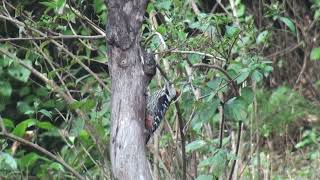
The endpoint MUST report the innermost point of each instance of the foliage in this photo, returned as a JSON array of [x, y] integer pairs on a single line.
[[279, 109]]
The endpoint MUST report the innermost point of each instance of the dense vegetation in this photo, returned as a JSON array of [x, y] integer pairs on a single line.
[[246, 68]]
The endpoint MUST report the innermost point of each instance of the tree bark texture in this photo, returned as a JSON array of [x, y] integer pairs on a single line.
[[129, 81]]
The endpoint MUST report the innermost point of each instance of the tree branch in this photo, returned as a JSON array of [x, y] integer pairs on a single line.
[[193, 52], [43, 151], [222, 71], [237, 93], [183, 141], [237, 150], [53, 37], [20, 24]]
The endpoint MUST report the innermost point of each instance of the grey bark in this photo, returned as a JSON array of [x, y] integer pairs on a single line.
[[128, 101]]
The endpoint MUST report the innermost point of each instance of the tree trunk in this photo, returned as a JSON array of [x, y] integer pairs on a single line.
[[128, 101]]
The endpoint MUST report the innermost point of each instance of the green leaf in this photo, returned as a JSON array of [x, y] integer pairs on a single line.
[[7, 162], [85, 105], [235, 109], [194, 58], [5, 89], [289, 23], [24, 91], [46, 113], [256, 76], [56, 166], [28, 160], [100, 6], [51, 5], [8, 123], [243, 75], [217, 162], [24, 107], [150, 7], [215, 83], [267, 70], [4, 62], [20, 129], [84, 136], [232, 31], [164, 4], [262, 37], [247, 95], [77, 127], [197, 144], [60, 6], [45, 125], [315, 54], [42, 91], [241, 10], [204, 177], [19, 72]]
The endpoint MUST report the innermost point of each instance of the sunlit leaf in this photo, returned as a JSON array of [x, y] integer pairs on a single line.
[[232, 31], [28, 160], [289, 23], [5, 61], [244, 74], [20, 129], [257, 76], [247, 95], [164, 4], [19, 72], [5, 89], [46, 113], [204, 177], [262, 37], [235, 109], [7, 163], [24, 107], [85, 105], [8, 123], [45, 125], [315, 54], [197, 144], [56, 166], [217, 162], [241, 10]]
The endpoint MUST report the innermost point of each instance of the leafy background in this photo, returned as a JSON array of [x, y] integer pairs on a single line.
[[269, 48]]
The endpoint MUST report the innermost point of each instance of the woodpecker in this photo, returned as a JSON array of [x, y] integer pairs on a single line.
[[157, 105]]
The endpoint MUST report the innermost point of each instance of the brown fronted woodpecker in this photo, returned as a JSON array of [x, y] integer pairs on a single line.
[[157, 105]]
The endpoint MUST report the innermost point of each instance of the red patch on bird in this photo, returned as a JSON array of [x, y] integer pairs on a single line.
[[148, 122], [177, 93]]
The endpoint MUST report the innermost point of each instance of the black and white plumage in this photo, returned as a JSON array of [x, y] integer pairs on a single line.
[[157, 105]]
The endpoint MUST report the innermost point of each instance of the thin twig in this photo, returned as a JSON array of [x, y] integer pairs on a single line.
[[62, 47], [221, 110], [236, 91], [194, 7], [163, 73], [85, 18], [43, 151], [183, 141], [65, 97], [220, 70], [50, 62], [3, 127], [53, 37], [193, 52], [237, 150], [47, 81], [286, 50]]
